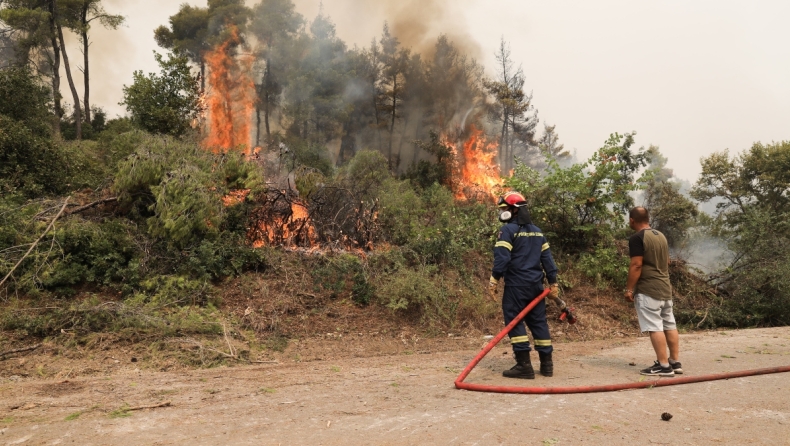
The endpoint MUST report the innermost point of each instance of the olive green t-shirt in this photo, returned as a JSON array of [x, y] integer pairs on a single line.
[[653, 247]]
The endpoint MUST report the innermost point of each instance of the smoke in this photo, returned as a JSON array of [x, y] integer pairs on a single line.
[[706, 253], [416, 23]]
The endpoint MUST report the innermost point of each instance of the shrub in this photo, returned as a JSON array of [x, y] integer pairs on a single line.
[[30, 165], [345, 274], [578, 205], [606, 265]]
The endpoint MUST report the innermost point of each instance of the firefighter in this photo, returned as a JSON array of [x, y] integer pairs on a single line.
[[521, 255]]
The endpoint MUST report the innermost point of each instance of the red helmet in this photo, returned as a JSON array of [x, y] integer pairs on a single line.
[[514, 199]]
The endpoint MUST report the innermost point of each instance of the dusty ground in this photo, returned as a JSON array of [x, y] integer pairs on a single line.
[[409, 398]]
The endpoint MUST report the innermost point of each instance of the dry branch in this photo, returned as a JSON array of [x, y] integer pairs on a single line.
[[90, 205], [153, 406], [19, 350], [52, 223]]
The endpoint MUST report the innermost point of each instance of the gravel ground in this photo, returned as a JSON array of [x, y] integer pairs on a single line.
[[410, 399]]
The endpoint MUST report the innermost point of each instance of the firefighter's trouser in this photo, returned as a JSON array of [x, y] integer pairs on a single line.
[[515, 299]]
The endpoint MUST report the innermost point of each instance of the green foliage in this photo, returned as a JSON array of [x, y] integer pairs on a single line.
[[310, 155], [670, 211], [432, 224], [365, 174], [345, 274], [437, 297], [606, 265], [753, 215], [176, 187], [24, 100], [84, 164], [579, 205], [167, 290], [99, 253], [30, 165], [166, 103], [92, 315], [425, 173]]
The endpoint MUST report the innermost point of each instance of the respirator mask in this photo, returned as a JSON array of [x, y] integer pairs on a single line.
[[505, 216]]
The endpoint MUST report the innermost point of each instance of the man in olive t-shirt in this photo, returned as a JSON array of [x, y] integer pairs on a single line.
[[649, 288]]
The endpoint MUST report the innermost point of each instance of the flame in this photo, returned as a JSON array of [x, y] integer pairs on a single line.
[[235, 197], [476, 169], [231, 96], [284, 230]]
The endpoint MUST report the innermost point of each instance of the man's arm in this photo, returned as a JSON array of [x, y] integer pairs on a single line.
[[634, 271], [547, 262]]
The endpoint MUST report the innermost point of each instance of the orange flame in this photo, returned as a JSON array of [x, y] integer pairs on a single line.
[[231, 96], [284, 230], [476, 166]]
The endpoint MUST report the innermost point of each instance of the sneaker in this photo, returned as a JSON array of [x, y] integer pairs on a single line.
[[676, 368], [657, 370]]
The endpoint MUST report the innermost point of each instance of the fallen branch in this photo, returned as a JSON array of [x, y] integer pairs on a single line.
[[19, 350], [90, 205], [153, 406], [52, 223]]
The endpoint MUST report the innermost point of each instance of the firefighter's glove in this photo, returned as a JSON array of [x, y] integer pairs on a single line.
[[492, 293], [554, 292]]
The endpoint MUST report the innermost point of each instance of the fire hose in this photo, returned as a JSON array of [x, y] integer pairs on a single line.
[[460, 384]]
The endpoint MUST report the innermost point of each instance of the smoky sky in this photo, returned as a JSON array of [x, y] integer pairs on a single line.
[[689, 77]]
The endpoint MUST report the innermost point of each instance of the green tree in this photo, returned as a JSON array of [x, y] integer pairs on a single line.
[[670, 211], [79, 16], [34, 23], [512, 109], [194, 31], [23, 99], [582, 204], [188, 34], [394, 65], [549, 144], [275, 23], [167, 102], [753, 215]]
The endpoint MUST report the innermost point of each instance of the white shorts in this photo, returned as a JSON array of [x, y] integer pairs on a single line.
[[654, 314]]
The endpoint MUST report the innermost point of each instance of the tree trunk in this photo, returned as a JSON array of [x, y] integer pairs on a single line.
[[266, 89], [55, 70], [392, 119], [257, 123], [202, 76], [77, 106], [86, 71]]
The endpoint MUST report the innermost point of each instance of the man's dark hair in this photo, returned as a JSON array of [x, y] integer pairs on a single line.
[[640, 215]]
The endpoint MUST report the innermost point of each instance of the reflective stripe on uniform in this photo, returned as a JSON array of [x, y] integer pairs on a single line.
[[542, 342], [503, 244], [544, 247], [519, 339], [528, 234]]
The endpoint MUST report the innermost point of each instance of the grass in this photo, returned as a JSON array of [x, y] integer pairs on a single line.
[[73, 416], [121, 412], [266, 390], [335, 368]]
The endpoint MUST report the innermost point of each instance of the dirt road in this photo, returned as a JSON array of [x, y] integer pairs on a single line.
[[410, 399]]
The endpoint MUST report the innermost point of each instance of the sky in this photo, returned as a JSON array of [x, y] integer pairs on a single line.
[[690, 77]]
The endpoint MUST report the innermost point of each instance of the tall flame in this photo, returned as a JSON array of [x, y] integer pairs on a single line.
[[230, 97], [476, 169]]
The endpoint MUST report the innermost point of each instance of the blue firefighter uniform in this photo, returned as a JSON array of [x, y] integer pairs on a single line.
[[521, 255]]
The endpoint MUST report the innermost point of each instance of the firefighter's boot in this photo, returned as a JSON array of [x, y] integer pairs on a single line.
[[546, 365], [522, 369]]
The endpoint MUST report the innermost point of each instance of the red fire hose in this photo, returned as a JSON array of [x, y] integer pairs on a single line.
[[460, 384]]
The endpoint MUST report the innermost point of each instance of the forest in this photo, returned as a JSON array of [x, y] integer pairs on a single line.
[[269, 176]]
